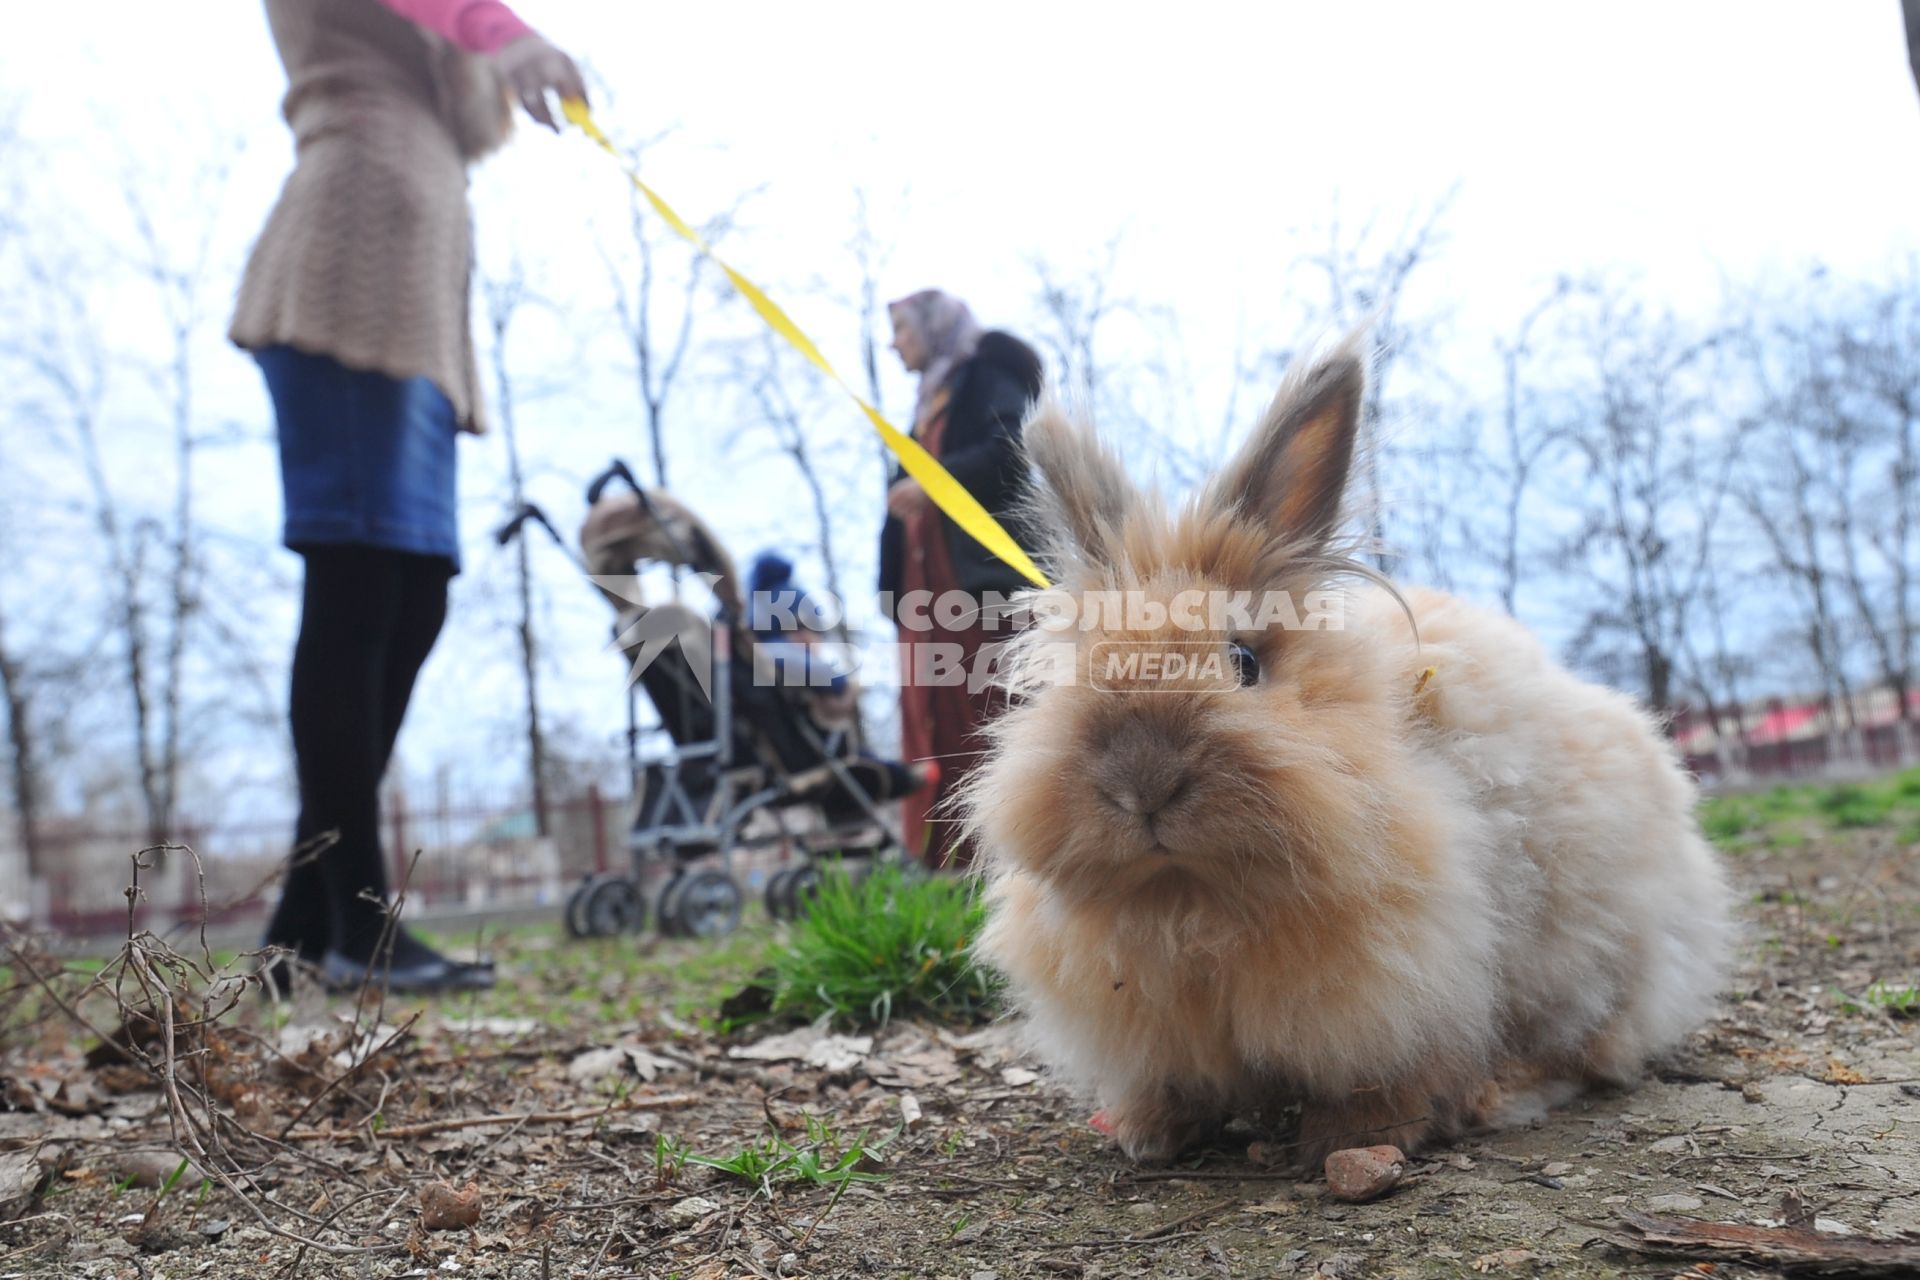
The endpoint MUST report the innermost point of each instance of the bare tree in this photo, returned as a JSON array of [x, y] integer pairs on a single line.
[[1145, 402], [764, 367], [1834, 489], [178, 275], [1880, 399], [829, 468], [504, 297], [1525, 440], [1652, 491], [1367, 284], [63, 356], [1715, 671], [1074, 307], [870, 259], [25, 773], [660, 347], [96, 405]]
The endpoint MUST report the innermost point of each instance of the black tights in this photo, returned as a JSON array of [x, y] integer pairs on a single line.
[[368, 619]]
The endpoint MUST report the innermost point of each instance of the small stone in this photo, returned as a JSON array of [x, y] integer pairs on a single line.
[[1669, 1146], [1831, 1227], [1674, 1203], [1504, 1259], [444, 1209], [20, 1179], [1557, 1169], [152, 1168], [986, 1275], [1358, 1174], [685, 1213]]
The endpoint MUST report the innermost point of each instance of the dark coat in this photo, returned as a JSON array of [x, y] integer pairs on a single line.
[[981, 448]]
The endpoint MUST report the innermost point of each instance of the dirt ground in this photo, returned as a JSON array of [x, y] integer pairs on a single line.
[[589, 1089]]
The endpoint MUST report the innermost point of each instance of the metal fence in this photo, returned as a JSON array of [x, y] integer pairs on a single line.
[[1870, 750], [451, 853]]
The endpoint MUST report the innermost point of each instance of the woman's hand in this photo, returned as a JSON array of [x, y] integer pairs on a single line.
[[906, 498], [537, 68]]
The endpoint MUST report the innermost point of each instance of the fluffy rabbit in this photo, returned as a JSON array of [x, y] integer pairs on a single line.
[[1416, 883]]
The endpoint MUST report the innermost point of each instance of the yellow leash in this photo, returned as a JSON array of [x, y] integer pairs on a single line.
[[947, 493]]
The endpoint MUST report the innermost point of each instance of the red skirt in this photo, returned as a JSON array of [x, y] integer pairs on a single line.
[[940, 719]]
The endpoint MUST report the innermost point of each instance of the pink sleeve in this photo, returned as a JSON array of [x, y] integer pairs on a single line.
[[478, 26]]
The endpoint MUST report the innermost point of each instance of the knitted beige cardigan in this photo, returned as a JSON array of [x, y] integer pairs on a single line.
[[367, 256]]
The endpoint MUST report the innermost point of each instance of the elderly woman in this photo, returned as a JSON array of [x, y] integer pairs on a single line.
[[354, 303], [974, 391]]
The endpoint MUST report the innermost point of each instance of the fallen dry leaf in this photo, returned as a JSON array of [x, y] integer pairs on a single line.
[[811, 1045], [1839, 1072], [1278, 1207], [595, 1065]]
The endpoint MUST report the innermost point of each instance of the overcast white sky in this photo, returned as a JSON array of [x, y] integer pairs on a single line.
[[1685, 143]]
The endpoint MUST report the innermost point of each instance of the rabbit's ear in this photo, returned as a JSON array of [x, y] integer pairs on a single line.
[[1292, 473], [1081, 492]]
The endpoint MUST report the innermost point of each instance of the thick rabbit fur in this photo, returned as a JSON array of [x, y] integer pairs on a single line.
[[1415, 882]]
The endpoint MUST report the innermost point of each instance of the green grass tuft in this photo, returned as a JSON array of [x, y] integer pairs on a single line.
[[1856, 807], [821, 1161], [881, 947], [1901, 1002], [1726, 819], [1785, 815]]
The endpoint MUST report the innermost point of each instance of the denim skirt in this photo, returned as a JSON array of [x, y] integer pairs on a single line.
[[365, 459]]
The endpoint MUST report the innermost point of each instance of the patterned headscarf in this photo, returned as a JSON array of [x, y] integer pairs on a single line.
[[949, 333]]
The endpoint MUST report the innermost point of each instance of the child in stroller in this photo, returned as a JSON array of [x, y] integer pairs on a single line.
[[764, 748], [790, 633]]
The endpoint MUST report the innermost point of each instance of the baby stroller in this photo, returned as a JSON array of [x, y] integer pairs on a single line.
[[754, 760]]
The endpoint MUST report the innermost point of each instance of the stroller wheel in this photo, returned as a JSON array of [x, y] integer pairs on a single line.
[[702, 904], [663, 905], [613, 906], [574, 915], [802, 885], [779, 905]]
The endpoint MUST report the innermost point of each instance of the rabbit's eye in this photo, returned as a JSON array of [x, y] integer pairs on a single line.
[[1245, 664]]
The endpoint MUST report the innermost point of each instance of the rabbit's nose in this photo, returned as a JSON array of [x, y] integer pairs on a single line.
[[1146, 796], [1143, 770]]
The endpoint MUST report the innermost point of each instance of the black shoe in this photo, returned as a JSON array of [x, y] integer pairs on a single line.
[[425, 975]]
